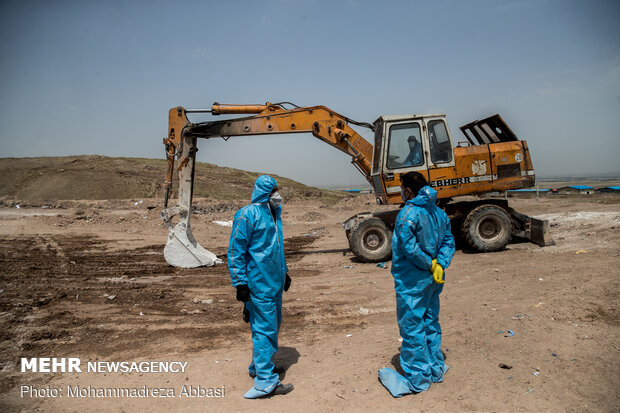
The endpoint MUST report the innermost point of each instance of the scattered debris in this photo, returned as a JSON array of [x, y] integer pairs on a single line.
[[554, 354], [223, 223], [510, 333], [349, 266], [538, 305], [349, 335], [207, 301], [382, 265], [17, 206], [581, 252], [529, 391], [141, 313], [341, 396], [505, 366], [536, 373], [363, 311]]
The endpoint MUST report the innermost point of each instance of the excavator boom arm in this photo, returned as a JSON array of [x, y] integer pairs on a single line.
[[182, 250], [325, 124]]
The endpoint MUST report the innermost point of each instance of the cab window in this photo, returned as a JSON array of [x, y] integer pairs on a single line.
[[441, 147], [405, 146]]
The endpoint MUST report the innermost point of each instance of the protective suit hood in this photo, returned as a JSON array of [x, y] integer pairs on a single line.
[[427, 197], [262, 188]]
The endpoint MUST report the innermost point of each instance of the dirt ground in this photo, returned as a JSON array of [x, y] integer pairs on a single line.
[[88, 279]]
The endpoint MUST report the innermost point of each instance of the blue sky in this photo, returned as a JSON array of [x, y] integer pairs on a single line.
[[98, 77]]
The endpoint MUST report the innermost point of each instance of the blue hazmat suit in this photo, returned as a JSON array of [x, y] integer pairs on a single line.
[[256, 259], [421, 234], [414, 158]]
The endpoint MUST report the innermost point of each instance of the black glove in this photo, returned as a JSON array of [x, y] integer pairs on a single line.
[[246, 315], [243, 293], [287, 282]]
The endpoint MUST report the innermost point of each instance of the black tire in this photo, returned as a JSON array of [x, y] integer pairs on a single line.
[[371, 241], [487, 228]]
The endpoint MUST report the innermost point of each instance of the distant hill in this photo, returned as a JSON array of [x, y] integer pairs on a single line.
[[598, 177], [102, 177]]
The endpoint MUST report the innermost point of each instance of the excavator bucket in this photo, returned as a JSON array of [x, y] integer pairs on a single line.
[[182, 249]]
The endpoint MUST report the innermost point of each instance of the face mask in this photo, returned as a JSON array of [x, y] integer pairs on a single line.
[[275, 200], [402, 195]]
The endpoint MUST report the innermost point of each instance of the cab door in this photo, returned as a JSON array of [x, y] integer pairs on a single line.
[[441, 164], [404, 151]]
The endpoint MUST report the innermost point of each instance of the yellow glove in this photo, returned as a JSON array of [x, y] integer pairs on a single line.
[[438, 274], [433, 266]]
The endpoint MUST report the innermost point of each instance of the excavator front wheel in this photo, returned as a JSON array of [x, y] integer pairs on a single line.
[[371, 240], [487, 228]]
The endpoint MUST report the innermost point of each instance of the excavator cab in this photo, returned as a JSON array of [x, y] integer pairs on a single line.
[[408, 143]]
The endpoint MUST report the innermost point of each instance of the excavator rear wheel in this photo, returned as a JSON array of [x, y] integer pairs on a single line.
[[371, 240], [487, 228]]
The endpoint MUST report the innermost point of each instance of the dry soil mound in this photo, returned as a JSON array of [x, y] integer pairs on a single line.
[[101, 177]]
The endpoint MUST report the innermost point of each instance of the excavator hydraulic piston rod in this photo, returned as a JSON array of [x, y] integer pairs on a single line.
[[219, 109]]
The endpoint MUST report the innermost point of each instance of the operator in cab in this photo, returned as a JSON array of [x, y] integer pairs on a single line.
[[259, 273], [422, 248], [415, 153]]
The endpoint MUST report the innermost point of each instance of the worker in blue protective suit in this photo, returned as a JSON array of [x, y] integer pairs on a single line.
[[415, 153], [422, 247], [259, 273]]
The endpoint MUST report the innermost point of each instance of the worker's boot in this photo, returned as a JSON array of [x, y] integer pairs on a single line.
[[282, 389]]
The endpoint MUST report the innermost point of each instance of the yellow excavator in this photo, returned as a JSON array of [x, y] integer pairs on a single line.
[[492, 159]]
